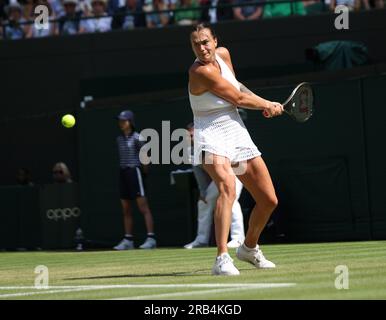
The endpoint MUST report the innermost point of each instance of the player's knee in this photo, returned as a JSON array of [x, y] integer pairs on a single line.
[[228, 190], [272, 201]]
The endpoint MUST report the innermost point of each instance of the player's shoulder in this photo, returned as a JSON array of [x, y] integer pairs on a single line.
[[199, 69], [223, 53]]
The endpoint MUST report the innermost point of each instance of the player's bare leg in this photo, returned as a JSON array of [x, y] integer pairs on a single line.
[[258, 182], [220, 170], [221, 173]]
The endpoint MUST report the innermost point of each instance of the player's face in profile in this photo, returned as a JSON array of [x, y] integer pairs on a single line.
[[204, 45]]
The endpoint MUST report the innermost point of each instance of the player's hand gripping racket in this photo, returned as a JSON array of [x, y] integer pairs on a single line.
[[299, 104]]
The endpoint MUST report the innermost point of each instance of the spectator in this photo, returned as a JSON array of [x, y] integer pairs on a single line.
[[24, 178], [85, 7], [247, 12], [351, 4], [27, 6], [61, 173], [3, 4], [171, 4], [225, 14], [378, 4], [57, 7], [46, 29], [14, 30], [156, 20], [315, 6], [131, 182], [187, 17], [215, 15], [114, 5], [3, 17], [100, 22], [130, 20], [69, 22], [283, 9]]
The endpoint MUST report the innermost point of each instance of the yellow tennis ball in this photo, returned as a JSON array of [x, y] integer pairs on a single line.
[[68, 120]]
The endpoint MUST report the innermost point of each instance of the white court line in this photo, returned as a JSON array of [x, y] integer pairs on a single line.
[[200, 292], [184, 285], [60, 289], [40, 291]]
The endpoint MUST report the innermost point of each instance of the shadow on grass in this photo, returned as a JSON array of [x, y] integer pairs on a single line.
[[202, 272]]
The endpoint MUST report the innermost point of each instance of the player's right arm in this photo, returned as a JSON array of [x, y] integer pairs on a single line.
[[211, 80]]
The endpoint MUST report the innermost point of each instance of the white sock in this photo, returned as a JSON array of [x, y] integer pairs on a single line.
[[218, 257], [247, 248]]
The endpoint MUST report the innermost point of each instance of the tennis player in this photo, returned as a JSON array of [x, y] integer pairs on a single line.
[[222, 141]]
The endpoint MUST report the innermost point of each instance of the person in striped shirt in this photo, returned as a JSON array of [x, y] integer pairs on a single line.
[[132, 182]]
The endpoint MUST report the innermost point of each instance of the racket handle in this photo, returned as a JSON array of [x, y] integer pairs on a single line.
[[265, 114]]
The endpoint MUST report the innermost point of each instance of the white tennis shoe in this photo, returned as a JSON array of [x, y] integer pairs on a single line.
[[254, 256], [125, 245], [149, 243], [224, 266]]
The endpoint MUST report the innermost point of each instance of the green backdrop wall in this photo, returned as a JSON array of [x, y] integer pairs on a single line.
[[329, 172]]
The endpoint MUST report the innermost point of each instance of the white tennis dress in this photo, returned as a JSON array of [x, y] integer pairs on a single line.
[[218, 128]]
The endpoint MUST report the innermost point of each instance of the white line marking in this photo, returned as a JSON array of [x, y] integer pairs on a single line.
[[40, 291], [184, 285], [200, 292], [63, 289]]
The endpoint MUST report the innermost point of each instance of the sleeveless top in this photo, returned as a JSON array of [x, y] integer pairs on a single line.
[[218, 128]]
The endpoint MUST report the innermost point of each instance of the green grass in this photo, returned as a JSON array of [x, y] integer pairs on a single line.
[[310, 266]]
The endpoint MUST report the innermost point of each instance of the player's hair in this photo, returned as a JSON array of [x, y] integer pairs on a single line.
[[202, 26]]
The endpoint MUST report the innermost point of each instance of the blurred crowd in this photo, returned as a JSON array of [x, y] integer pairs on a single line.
[[67, 17], [60, 174]]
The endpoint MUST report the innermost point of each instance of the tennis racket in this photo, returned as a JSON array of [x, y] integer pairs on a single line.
[[300, 104]]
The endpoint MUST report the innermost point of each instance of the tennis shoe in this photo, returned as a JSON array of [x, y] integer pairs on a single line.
[[149, 243], [125, 245], [254, 256], [224, 266]]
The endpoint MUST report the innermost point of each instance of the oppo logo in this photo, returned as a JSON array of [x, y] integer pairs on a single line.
[[63, 213]]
